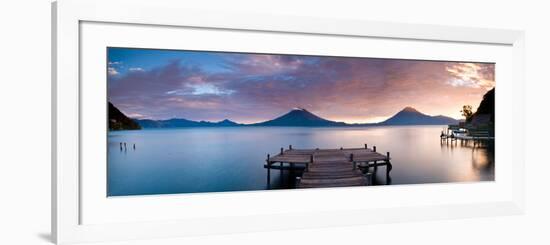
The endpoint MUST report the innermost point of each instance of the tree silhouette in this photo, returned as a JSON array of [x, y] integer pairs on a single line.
[[467, 112]]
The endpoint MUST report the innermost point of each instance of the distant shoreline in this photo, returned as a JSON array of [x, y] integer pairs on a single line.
[[300, 117], [259, 126]]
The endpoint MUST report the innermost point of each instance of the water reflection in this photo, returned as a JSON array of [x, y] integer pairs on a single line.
[[232, 159], [482, 155]]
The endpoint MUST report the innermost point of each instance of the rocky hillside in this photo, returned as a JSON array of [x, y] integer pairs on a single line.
[[119, 121], [487, 106]]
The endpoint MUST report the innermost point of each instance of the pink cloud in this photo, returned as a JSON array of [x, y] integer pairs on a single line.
[[260, 87]]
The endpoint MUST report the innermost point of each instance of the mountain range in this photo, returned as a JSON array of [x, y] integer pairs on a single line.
[[182, 123], [300, 117]]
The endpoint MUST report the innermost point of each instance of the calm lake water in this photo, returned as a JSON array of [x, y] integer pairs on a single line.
[[191, 160]]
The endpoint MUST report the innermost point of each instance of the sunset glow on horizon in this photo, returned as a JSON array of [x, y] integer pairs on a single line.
[[249, 88]]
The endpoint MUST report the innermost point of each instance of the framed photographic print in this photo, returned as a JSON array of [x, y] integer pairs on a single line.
[[196, 122]]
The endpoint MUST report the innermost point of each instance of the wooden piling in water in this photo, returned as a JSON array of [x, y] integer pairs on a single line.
[[388, 167], [310, 162], [268, 172], [353, 162]]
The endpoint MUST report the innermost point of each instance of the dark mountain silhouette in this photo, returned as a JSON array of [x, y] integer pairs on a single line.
[[487, 105], [227, 122], [484, 117], [183, 123], [300, 117], [410, 116], [119, 121], [170, 123]]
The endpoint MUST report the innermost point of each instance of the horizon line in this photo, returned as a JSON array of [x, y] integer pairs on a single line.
[[294, 108]]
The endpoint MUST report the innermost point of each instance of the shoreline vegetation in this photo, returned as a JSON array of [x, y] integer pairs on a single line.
[[483, 118], [478, 125], [300, 117]]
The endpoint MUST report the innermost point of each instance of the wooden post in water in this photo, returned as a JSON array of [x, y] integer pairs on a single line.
[[310, 162], [281, 174], [290, 147], [268, 173], [366, 146], [282, 149], [388, 167], [374, 148], [351, 159]]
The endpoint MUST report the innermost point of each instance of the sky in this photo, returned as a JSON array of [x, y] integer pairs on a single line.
[[248, 88]]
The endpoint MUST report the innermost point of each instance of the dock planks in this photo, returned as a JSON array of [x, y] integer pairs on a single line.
[[331, 167]]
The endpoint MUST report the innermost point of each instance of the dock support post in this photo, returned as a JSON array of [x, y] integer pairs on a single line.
[[366, 168], [366, 146], [282, 149], [351, 159], [268, 172], [281, 175], [369, 178], [374, 148], [290, 147], [310, 162], [388, 168]]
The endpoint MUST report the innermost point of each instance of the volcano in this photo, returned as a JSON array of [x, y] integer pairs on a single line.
[[411, 116], [299, 117]]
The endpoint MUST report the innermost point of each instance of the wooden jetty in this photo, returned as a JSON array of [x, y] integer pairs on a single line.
[[329, 167], [455, 133]]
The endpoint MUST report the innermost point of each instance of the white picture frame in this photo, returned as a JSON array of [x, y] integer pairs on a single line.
[[68, 17]]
